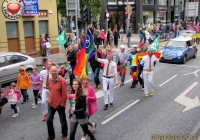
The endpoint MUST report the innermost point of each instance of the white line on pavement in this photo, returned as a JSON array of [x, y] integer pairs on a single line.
[[167, 80], [100, 94], [195, 130], [118, 113]]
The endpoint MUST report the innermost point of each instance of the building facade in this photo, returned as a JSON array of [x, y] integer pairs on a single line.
[[144, 11], [23, 34]]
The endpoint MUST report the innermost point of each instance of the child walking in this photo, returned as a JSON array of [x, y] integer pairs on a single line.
[[35, 81], [13, 98]]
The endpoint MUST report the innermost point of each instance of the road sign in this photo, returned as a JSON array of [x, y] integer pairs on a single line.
[[72, 24]]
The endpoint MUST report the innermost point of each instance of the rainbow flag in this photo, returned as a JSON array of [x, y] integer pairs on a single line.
[[87, 51]]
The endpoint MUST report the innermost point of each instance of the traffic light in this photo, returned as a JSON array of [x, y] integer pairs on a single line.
[[182, 15], [84, 14], [89, 17]]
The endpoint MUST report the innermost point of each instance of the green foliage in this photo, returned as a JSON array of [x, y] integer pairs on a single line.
[[94, 5]]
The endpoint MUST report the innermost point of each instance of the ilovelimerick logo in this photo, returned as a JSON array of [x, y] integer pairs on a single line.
[[13, 9]]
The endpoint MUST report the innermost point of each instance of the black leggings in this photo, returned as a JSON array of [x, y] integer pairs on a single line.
[[89, 123], [14, 107], [36, 96], [84, 128]]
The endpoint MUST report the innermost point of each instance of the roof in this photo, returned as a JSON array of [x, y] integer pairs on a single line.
[[182, 39], [6, 53]]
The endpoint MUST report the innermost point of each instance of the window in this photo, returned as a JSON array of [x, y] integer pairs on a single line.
[[23, 58], [161, 16], [28, 28], [162, 2], [11, 29], [112, 2], [129, 2], [148, 2], [148, 17], [12, 59], [43, 27], [2, 61], [172, 2]]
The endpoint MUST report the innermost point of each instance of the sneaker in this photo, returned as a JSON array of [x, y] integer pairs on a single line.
[[15, 115], [152, 93], [23, 102], [35, 106], [99, 86], [146, 95], [39, 102], [18, 110], [142, 89], [44, 117], [84, 138]]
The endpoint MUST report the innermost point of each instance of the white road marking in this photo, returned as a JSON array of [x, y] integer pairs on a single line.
[[100, 93], [195, 130], [188, 102], [167, 80], [195, 73], [121, 111]]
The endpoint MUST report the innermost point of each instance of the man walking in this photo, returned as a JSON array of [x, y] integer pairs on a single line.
[[148, 61], [109, 71], [121, 61], [129, 33], [57, 102], [44, 88]]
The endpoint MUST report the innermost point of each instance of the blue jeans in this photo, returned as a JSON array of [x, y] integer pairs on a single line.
[[63, 121], [96, 75], [91, 76], [128, 44], [24, 94]]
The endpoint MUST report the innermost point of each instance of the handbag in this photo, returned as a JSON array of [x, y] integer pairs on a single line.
[[3, 101], [48, 45]]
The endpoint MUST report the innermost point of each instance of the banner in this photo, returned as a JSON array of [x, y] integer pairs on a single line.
[[61, 39], [31, 8]]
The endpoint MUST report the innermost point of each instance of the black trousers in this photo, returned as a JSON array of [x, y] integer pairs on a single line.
[[36, 96], [139, 78], [116, 41], [14, 107]]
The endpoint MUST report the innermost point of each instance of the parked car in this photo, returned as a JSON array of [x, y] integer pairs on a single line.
[[179, 50], [10, 63]]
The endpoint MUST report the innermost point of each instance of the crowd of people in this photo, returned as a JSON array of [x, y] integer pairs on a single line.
[[52, 88]]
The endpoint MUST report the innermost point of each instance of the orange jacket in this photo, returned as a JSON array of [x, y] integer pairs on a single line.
[[23, 81]]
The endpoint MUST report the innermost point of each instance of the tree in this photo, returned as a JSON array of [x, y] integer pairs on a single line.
[[94, 5]]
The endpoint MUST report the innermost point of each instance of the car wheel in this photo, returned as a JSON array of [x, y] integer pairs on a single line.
[[29, 71], [184, 59], [195, 54]]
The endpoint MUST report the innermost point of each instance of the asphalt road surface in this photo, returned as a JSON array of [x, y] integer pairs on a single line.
[[174, 110]]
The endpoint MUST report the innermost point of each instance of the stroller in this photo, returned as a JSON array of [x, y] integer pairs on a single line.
[[63, 69]]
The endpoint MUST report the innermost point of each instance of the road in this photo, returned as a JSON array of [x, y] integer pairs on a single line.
[[133, 116]]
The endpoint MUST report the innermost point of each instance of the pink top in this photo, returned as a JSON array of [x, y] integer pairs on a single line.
[[187, 27], [102, 35], [13, 95], [92, 101]]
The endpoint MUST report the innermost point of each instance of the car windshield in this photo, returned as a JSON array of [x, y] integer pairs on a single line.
[[186, 34], [176, 44]]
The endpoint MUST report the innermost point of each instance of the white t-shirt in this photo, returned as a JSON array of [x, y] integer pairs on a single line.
[[112, 70], [43, 77]]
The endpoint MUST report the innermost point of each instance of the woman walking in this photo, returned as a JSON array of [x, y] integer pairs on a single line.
[[42, 45], [48, 44], [35, 82], [79, 114], [116, 37], [91, 102]]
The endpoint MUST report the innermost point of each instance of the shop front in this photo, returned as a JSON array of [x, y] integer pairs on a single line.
[[23, 34]]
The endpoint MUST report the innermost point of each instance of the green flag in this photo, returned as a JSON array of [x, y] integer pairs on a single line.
[[155, 43], [61, 39]]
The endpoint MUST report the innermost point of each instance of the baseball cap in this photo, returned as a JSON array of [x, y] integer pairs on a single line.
[[135, 46], [141, 44], [122, 46]]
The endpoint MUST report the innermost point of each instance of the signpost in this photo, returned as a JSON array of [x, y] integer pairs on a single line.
[[128, 9]]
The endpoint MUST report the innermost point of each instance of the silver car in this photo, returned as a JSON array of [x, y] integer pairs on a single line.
[[10, 63]]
